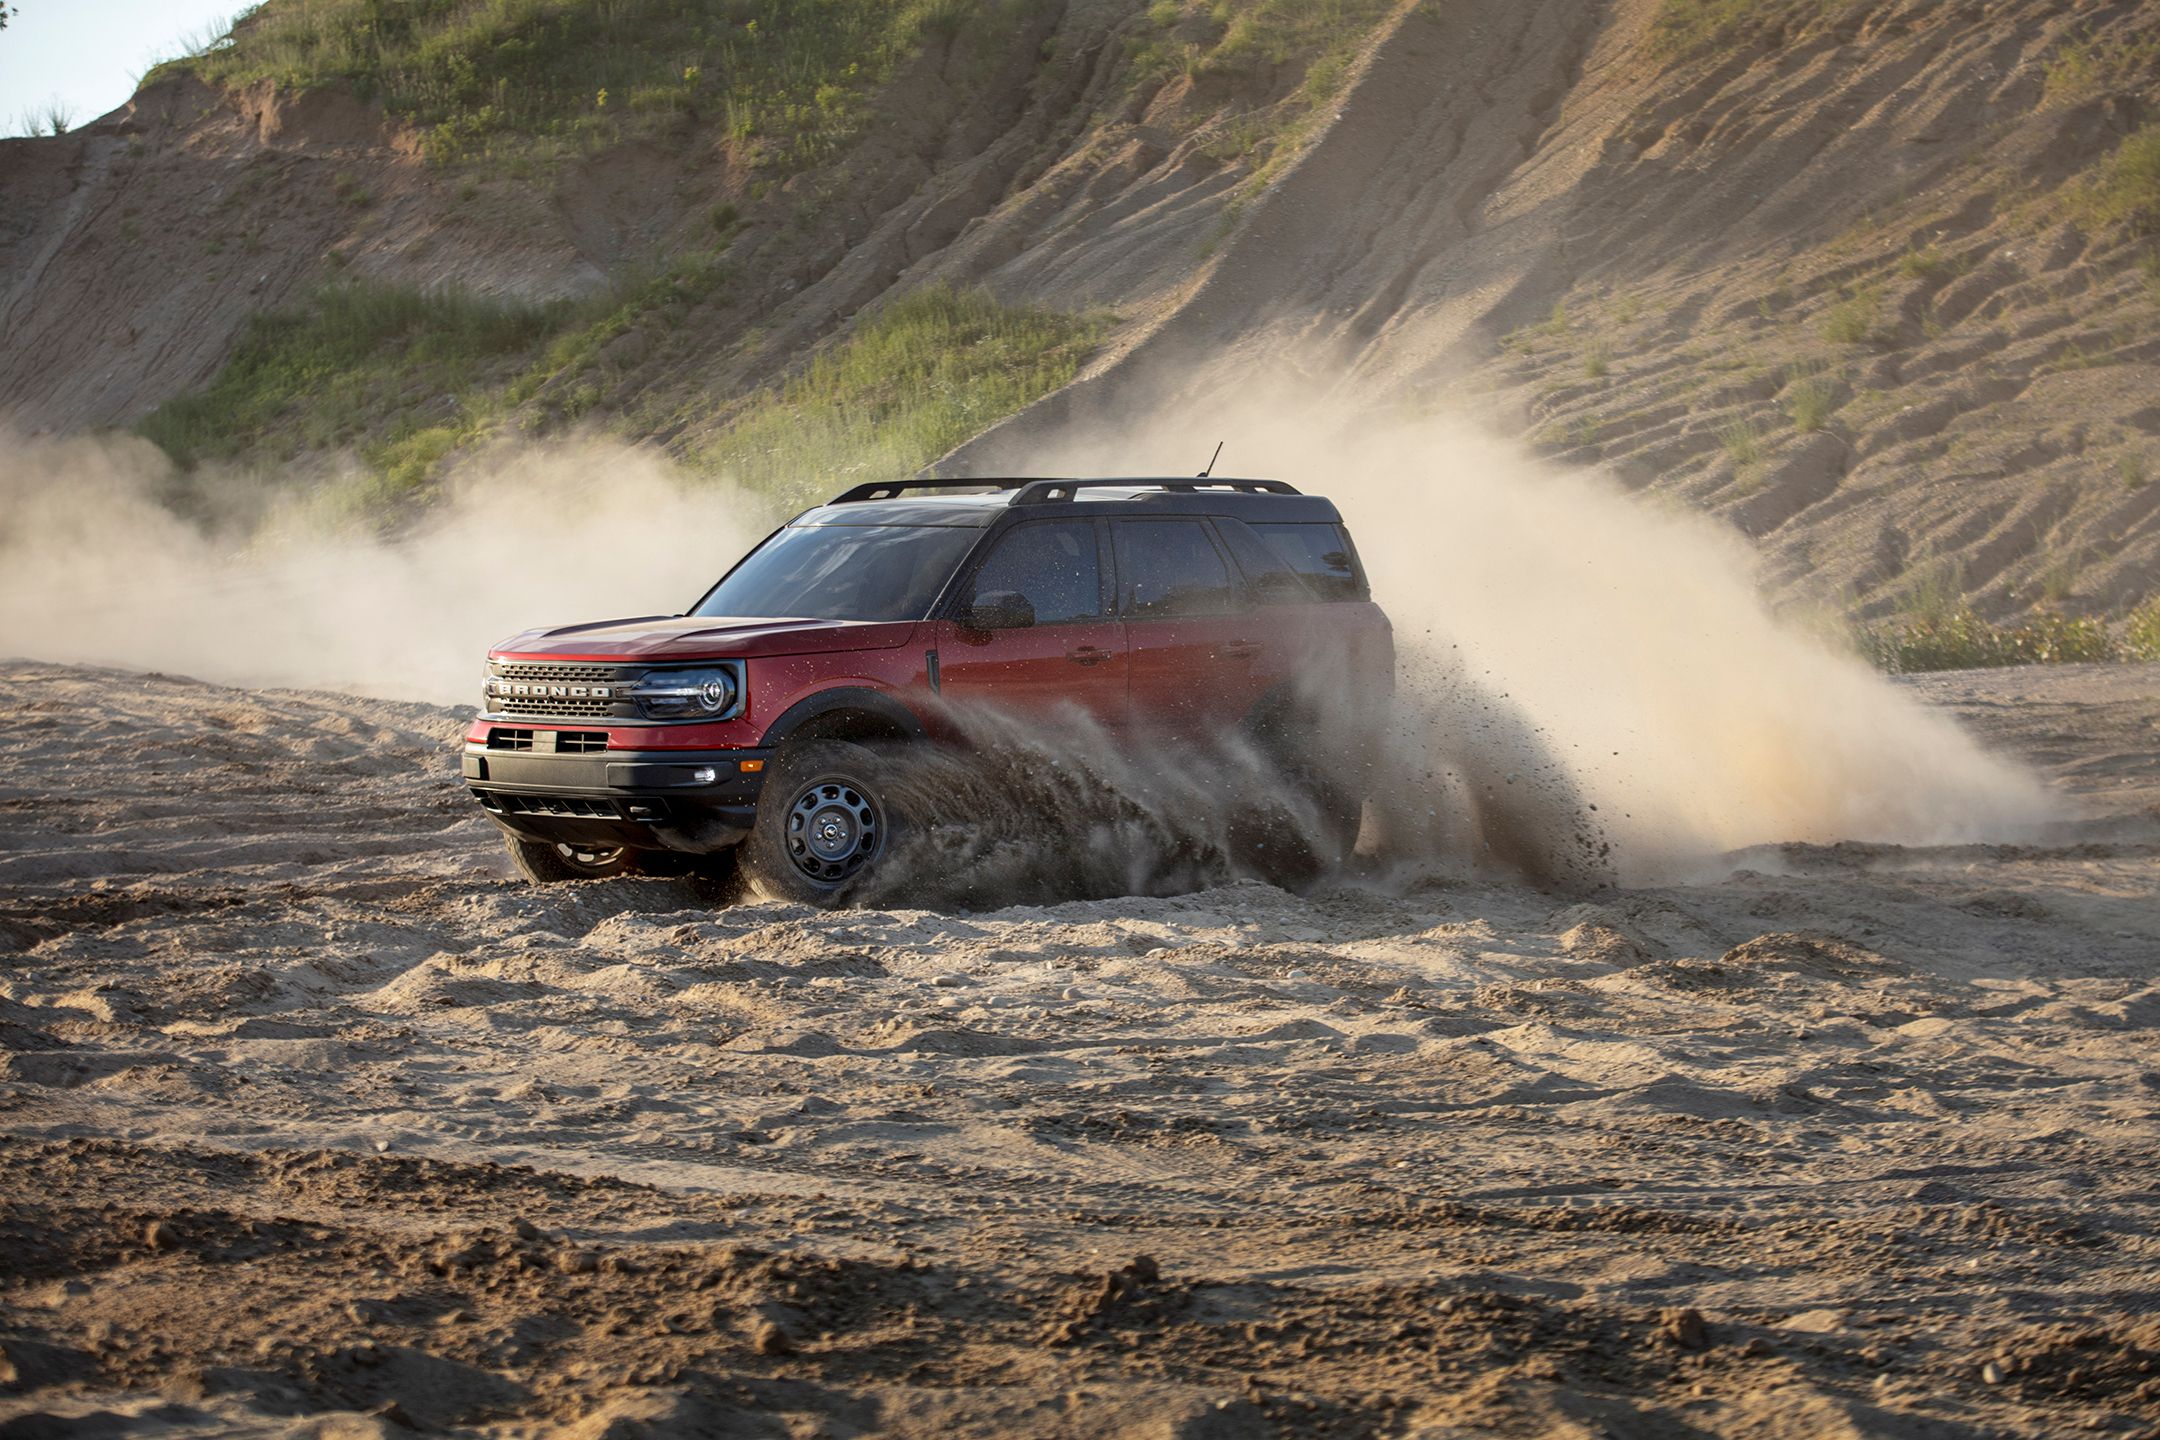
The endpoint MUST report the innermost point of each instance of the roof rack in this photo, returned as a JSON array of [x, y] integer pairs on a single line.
[[891, 489], [1043, 492], [1028, 490]]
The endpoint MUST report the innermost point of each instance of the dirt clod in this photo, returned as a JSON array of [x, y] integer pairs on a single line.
[[1684, 1328]]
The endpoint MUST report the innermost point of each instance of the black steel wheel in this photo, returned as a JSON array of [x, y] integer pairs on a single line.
[[824, 821]]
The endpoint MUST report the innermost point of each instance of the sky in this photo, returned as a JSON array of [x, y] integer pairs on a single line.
[[86, 55]]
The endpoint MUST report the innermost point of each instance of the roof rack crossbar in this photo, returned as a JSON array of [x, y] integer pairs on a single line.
[[891, 489], [1043, 492]]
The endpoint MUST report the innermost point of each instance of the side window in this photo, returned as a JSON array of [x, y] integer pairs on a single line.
[[1322, 554], [1055, 565], [1268, 577], [1170, 568]]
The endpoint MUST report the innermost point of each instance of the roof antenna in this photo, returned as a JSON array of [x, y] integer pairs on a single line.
[[1211, 462]]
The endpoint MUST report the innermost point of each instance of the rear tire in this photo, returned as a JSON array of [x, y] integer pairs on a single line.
[[546, 863], [1315, 830], [824, 821]]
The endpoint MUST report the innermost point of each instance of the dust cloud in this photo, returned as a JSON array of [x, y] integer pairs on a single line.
[[1590, 684], [106, 558], [1581, 664]]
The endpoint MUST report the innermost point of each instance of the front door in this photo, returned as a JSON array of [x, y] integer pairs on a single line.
[[1073, 651]]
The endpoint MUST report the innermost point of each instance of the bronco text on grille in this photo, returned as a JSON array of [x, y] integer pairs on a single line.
[[523, 688]]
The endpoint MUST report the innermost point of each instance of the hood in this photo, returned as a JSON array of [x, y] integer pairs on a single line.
[[699, 637]]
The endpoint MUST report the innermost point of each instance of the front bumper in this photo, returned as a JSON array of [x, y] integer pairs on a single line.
[[648, 800]]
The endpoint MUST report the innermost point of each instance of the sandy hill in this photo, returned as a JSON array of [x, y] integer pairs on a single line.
[[1875, 281]]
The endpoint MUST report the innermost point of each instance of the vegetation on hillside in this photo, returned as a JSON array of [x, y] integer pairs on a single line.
[[1247, 43], [2124, 189], [792, 77], [403, 379], [1688, 29], [926, 372], [1962, 640], [388, 370]]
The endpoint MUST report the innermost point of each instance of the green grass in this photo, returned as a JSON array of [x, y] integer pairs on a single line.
[[1255, 43], [1811, 398], [1930, 263], [1693, 29], [1597, 361], [1743, 445], [1852, 320], [928, 371], [480, 77], [2093, 66], [1250, 37], [358, 365], [2124, 189], [401, 379]]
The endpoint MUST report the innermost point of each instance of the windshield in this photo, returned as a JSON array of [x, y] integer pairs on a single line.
[[843, 572]]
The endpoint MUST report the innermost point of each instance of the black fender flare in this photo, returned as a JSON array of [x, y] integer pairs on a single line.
[[868, 713]]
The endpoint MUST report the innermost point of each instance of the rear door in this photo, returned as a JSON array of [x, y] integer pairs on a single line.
[[1195, 649], [1075, 651]]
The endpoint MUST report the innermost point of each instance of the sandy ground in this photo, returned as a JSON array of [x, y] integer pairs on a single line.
[[313, 1121]]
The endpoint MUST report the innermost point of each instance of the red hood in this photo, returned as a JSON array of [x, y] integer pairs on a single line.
[[699, 637]]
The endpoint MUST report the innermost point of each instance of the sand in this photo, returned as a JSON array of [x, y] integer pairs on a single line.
[[314, 1121]]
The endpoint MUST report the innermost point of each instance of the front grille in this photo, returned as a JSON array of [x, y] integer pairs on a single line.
[[564, 679], [579, 742], [501, 739]]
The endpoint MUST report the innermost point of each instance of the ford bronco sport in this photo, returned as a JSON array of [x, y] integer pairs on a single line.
[[756, 725]]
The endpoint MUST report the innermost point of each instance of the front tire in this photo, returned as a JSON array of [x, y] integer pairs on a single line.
[[825, 820], [546, 863]]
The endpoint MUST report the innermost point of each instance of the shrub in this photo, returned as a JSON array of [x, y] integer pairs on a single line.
[[1811, 398], [1743, 444], [2090, 67], [1962, 640], [1851, 321], [2141, 636], [2125, 190]]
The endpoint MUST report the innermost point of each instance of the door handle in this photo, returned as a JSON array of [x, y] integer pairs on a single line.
[[1236, 650], [1087, 654]]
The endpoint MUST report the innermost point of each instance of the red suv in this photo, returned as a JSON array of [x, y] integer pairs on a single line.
[[763, 724]]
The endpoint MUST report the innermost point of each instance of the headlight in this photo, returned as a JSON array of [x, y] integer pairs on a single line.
[[713, 694]]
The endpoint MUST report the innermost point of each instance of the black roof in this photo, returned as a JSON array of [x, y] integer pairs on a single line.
[[981, 502]]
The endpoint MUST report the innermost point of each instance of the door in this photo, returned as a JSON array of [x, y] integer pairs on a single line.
[[1193, 643], [1073, 650]]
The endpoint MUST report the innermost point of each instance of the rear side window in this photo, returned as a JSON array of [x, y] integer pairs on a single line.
[[1268, 577], [1322, 554], [1055, 565], [1171, 568]]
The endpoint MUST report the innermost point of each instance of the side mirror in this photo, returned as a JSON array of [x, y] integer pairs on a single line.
[[1001, 610]]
